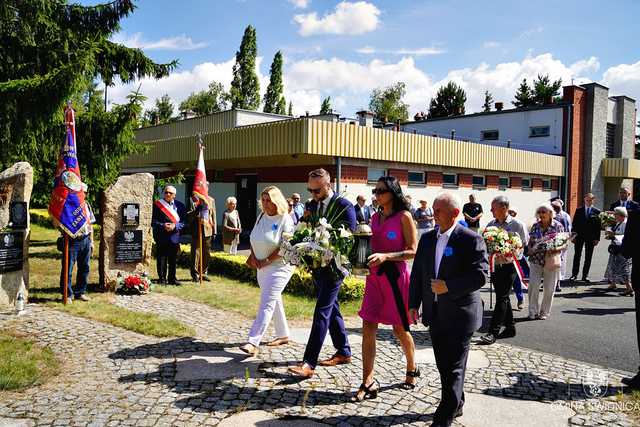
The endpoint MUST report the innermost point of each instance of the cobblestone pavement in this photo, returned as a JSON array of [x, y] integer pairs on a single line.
[[115, 377]]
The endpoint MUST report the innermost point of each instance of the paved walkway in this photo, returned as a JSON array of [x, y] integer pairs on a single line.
[[115, 377]]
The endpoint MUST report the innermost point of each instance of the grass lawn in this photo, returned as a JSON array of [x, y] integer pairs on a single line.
[[45, 266], [23, 363]]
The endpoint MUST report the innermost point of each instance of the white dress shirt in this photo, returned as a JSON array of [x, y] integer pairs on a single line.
[[441, 244], [324, 204]]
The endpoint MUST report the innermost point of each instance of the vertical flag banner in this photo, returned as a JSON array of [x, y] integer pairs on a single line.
[[200, 184], [67, 206]]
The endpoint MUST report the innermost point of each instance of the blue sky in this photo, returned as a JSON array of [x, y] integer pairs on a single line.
[[344, 49]]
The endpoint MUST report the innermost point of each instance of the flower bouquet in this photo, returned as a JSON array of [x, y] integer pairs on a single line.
[[319, 242], [607, 220], [136, 284], [501, 242], [554, 241]]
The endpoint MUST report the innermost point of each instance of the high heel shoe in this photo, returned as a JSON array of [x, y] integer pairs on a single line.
[[412, 374], [366, 392]]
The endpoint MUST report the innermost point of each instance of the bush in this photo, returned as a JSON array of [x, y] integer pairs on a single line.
[[41, 217], [234, 267]]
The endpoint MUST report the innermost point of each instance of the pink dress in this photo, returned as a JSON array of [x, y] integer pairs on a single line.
[[378, 304]]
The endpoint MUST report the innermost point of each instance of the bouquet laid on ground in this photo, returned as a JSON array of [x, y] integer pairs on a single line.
[[607, 220], [136, 284], [502, 242], [319, 242]]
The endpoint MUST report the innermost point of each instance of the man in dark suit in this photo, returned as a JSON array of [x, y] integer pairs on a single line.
[[450, 267], [631, 249], [167, 219], [586, 229], [625, 201], [326, 316], [363, 213]]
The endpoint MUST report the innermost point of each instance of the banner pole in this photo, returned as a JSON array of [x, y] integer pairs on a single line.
[[201, 253], [65, 292]]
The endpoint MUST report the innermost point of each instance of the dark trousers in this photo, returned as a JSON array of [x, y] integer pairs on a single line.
[[588, 254], [326, 317], [195, 255], [167, 253], [80, 253], [502, 278], [451, 354]]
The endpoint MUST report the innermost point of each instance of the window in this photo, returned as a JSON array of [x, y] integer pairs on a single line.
[[449, 179], [526, 182], [374, 174], [546, 184], [478, 181], [490, 135], [539, 131], [219, 175], [416, 178], [503, 182]]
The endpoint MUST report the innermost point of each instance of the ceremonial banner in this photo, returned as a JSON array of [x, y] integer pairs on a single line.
[[200, 184]]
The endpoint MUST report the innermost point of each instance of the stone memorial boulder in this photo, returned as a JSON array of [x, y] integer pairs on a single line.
[[16, 184], [126, 238]]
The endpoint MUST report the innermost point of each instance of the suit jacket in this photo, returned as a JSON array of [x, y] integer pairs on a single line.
[[209, 227], [630, 247], [586, 228], [363, 214], [631, 205], [465, 271], [159, 218]]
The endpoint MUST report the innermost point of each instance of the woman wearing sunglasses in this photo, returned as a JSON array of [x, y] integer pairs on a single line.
[[386, 294]]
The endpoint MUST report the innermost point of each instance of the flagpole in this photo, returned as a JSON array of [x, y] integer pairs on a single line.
[[201, 253], [66, 269]]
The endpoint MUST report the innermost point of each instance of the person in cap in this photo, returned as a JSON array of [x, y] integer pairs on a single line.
[[202, 214], [168, 219]]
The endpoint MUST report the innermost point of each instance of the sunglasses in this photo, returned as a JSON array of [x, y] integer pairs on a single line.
[[378, 191], [168, 192], [314, 190]]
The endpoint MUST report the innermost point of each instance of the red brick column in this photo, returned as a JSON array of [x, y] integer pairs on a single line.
[[536, 184], [492, 181], [575, 152], [516, 182], [401, 175], [434, 179], [465, 180]]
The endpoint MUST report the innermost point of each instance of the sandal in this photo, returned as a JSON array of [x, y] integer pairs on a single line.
[[627, 293], [411, 374], [250, 349], [366, 392], [612, 287]]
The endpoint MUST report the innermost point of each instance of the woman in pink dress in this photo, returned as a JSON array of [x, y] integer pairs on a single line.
[[386, 295]]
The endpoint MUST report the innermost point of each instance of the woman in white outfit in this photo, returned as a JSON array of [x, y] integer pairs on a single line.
[[273, 274], [545, 228]]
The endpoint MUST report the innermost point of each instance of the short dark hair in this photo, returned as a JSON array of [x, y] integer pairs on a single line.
[[320, 173]]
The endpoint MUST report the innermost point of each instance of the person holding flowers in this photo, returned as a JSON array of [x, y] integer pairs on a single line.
[[547, 240], [386, 295], [618, 267], [503, 266]]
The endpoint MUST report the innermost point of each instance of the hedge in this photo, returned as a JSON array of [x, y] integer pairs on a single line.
[[234, 267]]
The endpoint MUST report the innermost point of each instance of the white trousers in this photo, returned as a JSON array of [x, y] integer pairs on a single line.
[[272, 281], [536, 276], [563, 265], [231, 249]]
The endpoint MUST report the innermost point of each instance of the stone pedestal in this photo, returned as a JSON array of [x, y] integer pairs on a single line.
[[16, 184], [126, 219]]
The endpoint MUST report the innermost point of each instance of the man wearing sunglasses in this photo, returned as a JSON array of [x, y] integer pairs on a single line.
[[326, 317], [168, 219]]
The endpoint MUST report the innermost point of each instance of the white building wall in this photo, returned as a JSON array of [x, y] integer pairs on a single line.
[[511, 125], [612, 111], [245, 118]]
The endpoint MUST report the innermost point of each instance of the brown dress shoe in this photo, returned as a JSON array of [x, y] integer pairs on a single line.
[[278, 341], [302, 371], [335, 360]]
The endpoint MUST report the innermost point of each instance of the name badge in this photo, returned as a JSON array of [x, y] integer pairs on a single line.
[[448, 251], [392, 235]]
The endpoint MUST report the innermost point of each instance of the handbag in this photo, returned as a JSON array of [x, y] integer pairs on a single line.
[[552, 261], [614, 249]]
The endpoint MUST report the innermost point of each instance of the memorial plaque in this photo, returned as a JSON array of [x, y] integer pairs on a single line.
[[18, 215], [11, 251], [128, 246], [130, 214]]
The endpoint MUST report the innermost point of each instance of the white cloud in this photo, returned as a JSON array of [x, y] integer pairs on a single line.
[[300, 4], [421, 51], [347, 18], [531, 31], [136, 40], [490, 44], [623, 79]]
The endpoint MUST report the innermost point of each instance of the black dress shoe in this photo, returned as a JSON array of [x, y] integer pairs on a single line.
[[508, 333], [459, 413], [631, 380], [206, 279], [175, 283], [489, 338], [573, 278], [586, 280], [160, 281]]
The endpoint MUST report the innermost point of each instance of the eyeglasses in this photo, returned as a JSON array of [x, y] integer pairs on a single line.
[[378, 191], [314, 190], [168, 192], [290, 206]]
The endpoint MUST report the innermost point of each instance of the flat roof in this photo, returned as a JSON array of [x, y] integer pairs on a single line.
[[492, 113]]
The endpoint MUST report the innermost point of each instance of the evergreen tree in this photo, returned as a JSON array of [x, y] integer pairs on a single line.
[[164, 107], [290, 112], [50, 50], [245, 87], [212, 100], [282, 106], [325, 108], [273, 96], [387, 103], [449, 101], [524, 96], [488, 101], [544, 90]]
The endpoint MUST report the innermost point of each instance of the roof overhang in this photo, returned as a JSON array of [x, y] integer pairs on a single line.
[[621, 168]]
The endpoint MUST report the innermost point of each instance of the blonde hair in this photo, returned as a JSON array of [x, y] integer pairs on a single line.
[[276, 197], [232, 199]]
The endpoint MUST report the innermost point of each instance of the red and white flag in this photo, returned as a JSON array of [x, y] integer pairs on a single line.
[[200, 184]]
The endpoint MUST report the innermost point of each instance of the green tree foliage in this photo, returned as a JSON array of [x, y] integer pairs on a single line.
[[164, 107], [387, 103], [325, 108], [449, 101], [545, 90], [245, 87], [273, 99], [212, 100], [488, 101], [524, 95], [50, 50]]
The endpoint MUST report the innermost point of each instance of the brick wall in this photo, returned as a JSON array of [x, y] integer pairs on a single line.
[[516, 182], [465, 180], [536, 184], [492, 181], [434, 179], [354, 174], [401, 175], [575, 151]]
